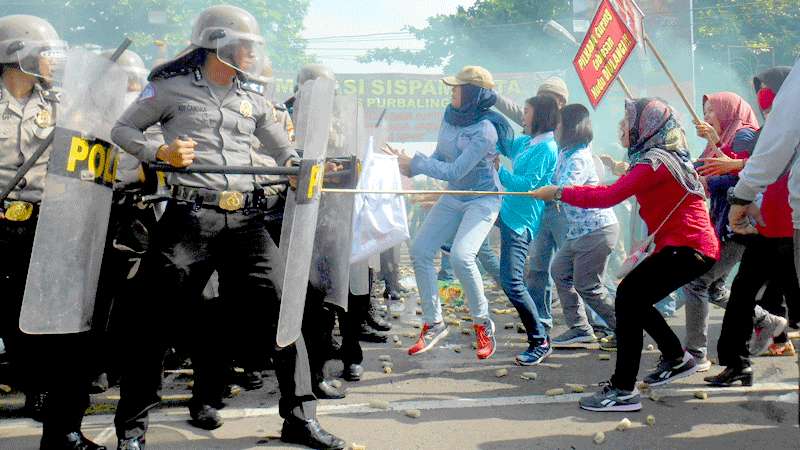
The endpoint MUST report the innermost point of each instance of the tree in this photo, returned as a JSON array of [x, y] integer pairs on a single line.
[[755, 28], [506, 35], [161, 28], [503, 35]]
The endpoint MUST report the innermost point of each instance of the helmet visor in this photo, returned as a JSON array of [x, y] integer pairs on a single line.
[[243, 52], [43, 59]]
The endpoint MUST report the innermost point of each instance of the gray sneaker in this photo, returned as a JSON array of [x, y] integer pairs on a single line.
[[610, 398], [769, 327], [609, 343], [668, 371], [574, 336]]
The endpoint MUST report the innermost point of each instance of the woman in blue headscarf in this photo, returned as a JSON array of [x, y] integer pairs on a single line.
[[464, 157]]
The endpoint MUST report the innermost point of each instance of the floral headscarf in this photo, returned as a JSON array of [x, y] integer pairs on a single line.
[[657, 138]]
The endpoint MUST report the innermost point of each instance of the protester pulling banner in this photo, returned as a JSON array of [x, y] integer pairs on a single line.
[[605, 49]]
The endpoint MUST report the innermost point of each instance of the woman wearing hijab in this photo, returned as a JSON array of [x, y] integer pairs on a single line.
[[672, 200], [730, 128], [464, 157], [773, 242]]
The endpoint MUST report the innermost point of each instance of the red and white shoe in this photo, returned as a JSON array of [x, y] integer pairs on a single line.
[[487, 344], [430, 335]]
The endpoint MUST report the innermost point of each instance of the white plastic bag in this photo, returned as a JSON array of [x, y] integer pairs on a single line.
[[379, 221]]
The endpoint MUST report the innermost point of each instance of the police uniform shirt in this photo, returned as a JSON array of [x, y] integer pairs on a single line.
[[184, 105], [23, 127]]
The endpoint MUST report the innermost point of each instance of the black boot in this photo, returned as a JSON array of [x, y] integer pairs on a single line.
[[731, 375], [368, 334], [352, 372], [99, 384], [374, 320], [309, 433], [131, 444], [327, 391], [70, 441], [251, 380], [205, 417]]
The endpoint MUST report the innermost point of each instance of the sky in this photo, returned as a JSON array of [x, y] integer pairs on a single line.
[[328, 18]]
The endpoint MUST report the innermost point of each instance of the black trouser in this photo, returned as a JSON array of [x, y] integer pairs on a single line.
[[655, 278], [34, 357], [188, 245], [318, 322], [127, 241], [319, 319], [765, 260], [350, 326]]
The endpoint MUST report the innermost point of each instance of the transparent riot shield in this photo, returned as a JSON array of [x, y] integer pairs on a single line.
[[73, 219], [330, 268], [313, 109], [359, 272]]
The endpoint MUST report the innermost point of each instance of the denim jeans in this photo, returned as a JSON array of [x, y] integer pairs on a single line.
[[513, 255], [489, 263], [466, 223], [552, 229]]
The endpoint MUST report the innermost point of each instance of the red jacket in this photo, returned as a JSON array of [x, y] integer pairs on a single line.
[[776, 211], [657, 193]]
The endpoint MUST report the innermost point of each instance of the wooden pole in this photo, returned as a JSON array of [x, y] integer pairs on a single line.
[[671, 78], [624, 87], [420, 192]]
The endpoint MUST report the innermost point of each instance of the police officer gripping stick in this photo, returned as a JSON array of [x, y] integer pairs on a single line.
[[212, 222]]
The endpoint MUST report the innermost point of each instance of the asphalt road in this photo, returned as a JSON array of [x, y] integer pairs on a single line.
[[463, 404]]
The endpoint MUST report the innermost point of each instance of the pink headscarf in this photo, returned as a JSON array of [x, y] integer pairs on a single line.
[[733, 113]]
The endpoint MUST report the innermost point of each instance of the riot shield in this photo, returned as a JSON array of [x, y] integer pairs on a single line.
[[330, 268], [73, 219], [313, 108]]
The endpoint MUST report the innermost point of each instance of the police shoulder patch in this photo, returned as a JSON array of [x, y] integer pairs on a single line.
[[253, 86], [148, 92]]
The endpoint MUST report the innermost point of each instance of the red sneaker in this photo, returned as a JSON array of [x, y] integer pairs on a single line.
[[429, 336], [485, 337]]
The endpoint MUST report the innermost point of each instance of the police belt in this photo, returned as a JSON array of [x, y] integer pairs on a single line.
[[19, 211], [228, 201]]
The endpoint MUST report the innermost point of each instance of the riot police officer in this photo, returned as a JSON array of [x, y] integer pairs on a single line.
[[213, 221], [30, 51]]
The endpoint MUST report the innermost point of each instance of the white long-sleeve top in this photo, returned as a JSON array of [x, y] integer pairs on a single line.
[[777, 148]]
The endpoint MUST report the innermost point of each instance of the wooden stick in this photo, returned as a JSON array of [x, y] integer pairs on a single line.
[[671, 78], [624, 87], [420, 192]]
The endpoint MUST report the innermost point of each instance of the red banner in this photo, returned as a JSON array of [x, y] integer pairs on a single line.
[[606, 47]]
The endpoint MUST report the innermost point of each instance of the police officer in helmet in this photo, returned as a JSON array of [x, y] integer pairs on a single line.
[[30, 55], [212, 222]]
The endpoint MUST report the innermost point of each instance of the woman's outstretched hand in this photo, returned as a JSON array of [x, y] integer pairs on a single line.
[[546, 193], [719, 164]]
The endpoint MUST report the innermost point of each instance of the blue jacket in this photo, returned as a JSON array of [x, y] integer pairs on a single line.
[[533, 162], [464, 157]]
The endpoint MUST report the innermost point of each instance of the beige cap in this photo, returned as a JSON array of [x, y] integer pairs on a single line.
[[476, 75], [555, 85]]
